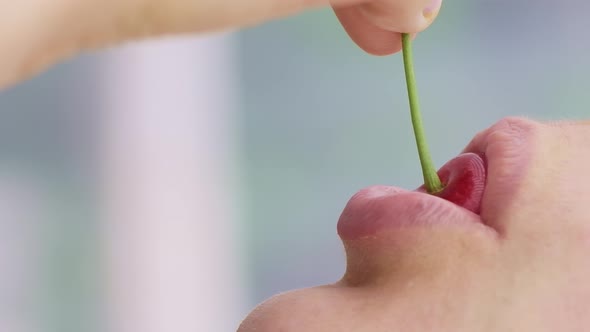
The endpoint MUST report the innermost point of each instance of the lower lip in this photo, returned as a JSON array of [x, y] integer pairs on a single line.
[[382, 208]]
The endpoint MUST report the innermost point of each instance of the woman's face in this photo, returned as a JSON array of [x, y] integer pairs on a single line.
[[416, 262]]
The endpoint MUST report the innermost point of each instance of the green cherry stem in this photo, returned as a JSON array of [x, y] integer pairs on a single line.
[[431, 179]]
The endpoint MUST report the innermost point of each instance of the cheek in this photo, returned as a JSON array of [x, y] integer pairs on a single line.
[[559, 190], [581, 242]]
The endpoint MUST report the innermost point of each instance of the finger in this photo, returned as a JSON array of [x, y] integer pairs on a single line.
[[369, 37], [401, 15], [156, 17], [39, 33], [375, 26]]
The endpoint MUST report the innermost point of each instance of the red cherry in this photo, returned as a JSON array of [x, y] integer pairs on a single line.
[[464, 179]]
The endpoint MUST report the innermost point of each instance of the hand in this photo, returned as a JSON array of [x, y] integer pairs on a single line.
[[416, 262], [34, 34]]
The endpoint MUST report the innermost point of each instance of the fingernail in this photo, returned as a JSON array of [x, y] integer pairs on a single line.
[[432, 9]]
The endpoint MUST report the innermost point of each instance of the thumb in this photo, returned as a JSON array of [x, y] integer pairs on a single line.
[[375, 26]]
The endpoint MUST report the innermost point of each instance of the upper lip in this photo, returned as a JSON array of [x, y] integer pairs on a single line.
[[506, 150]]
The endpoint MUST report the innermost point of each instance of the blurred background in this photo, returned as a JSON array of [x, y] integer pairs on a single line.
[[172, 185]]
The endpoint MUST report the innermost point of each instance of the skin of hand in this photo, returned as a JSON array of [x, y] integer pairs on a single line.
[[35, 34], [428, 265]]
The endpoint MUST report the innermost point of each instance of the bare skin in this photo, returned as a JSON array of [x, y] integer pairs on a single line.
[[522, 265], [40, 33], [425, 264]]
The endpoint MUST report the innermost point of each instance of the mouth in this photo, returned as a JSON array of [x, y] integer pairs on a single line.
[[378, 209], [481, 184]]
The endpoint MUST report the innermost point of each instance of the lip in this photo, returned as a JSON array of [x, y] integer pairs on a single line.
[[378, 209], [381, 208]]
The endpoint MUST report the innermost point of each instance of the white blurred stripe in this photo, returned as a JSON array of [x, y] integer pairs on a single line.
[[169, 194], [21, 213]]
